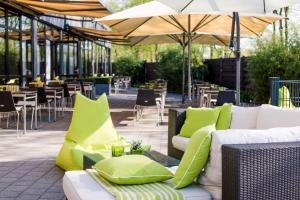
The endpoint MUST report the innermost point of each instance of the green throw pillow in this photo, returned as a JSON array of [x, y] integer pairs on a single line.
[[132, 170], [224, 119], [197, 118], [193, 160]]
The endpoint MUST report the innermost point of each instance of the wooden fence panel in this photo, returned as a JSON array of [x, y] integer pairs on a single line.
[[223, 72]]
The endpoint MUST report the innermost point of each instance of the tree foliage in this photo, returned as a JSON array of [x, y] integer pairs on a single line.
[[273, 59], [171, 64], [130, 66]]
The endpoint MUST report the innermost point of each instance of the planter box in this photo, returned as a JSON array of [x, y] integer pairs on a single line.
[[103, 88]]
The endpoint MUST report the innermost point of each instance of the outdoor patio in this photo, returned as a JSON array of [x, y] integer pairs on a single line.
[[27, 168]]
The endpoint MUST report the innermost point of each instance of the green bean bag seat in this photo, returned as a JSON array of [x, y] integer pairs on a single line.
[[285, 98], [91, 132]]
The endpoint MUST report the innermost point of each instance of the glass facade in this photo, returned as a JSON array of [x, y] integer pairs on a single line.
[[30, 47]]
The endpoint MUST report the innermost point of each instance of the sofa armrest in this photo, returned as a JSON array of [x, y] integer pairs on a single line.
[[261, 171], [176, 121]]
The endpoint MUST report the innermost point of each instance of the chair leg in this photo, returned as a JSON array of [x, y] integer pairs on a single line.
[[18, 120], [7, 120], [40, 113], [32, 115], [135, 113], [49, 113], [158, 115]]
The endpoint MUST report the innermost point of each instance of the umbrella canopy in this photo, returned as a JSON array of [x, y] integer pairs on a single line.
[[238, 8], [141, 20], [83, 8], [179, 38], [252, 7]]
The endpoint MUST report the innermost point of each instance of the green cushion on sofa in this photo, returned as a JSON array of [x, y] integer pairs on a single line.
[[132, 170], [197, 118], [224, 119], [91, 123], [193, 160]]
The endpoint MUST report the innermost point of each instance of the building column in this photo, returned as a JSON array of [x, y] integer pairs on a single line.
[[34, 48], [109, 61]]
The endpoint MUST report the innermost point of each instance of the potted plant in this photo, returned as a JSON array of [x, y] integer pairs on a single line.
[[138, 148]]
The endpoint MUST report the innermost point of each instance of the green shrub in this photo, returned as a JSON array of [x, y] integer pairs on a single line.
[[272, 59], [130, 66], [170, 67]]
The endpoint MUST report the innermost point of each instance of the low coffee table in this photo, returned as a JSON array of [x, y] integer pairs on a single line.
[[164, 160]]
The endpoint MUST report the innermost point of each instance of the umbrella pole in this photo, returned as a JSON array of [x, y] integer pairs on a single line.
[[183, 69], [189, 68], [238, 60]]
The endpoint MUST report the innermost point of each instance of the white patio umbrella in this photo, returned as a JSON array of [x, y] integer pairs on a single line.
[[155, 18], [253, 7], [238, 8]]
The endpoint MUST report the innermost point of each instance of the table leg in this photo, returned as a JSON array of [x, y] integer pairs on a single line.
[[24, 116], [35, 113], [62, 103], [55, 106]]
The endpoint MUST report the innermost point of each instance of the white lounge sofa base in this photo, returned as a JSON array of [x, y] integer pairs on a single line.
[[78, 185]]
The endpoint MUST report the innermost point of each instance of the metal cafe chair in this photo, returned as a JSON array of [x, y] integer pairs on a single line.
[[147, 99], [227, 96], [7, 107]]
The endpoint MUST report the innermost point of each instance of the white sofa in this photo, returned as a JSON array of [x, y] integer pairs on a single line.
[[252, 125], [264, 124], [253, 118]]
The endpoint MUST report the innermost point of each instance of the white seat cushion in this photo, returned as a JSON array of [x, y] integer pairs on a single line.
[[243, 117], [78, 185], [180, 143], [272, 117], [213, 172]]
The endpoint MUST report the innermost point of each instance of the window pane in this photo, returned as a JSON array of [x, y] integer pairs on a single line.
[[2, 50], [13, 56], [13, 21], [26, 46]]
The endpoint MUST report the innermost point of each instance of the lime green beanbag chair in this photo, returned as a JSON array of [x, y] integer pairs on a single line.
[[91, 132], [285, 98]]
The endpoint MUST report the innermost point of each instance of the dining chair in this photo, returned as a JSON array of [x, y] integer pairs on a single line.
[[227, 96], [147, 99], [7, 107]]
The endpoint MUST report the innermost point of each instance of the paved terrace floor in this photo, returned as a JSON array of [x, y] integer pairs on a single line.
[[27, 163]]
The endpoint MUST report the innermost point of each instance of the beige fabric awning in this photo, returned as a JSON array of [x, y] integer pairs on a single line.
[[82, 8], [141, 21], [101, 34]]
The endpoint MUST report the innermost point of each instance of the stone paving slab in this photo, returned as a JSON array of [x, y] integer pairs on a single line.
[[27, 164]]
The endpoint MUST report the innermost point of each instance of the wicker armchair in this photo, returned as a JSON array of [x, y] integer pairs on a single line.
[[252, 171]]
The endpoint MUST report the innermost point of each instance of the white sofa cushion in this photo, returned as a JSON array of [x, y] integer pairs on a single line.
[[78, 185], [180, 143], [243, 117], [272, 117], [213, 172]]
